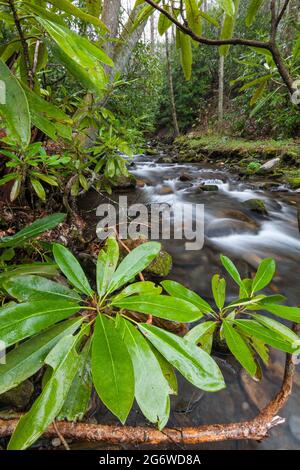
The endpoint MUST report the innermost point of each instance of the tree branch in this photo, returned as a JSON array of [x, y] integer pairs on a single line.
[[269, 45], [28, 70], [256, 429], [210, 42], [282, 12]]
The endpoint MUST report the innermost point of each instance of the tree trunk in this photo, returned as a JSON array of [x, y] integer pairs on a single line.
[[110, 17], [152, 32], [221, 93], [171, 88], [127, 41]]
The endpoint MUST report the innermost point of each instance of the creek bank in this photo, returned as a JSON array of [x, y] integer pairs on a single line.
[[276, 161]]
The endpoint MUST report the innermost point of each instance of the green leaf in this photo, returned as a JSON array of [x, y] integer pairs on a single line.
[[181, 292], [19, 321], [264, 275], [261, 349], [15, 190], [25, 288], [32, 231], [78, 399], [65, 362], [256, 81], [81, 57], [151, 388], [288, 313], [38, 188], [231, 269], [258, 93], [142, 287], [15, 111], [47, 178], [68, 7], [239, 348], [26, 359], [246, 288], [219, 290], [252, 11], [161, 306], [106, 264], [186, 55], [112, 368], [279, 328], [202, 335], [8, 177], [296, 48], [43, 269], [134, 263], [47, 117], [259, 331], [69, 265], [228, 6], [163, 22], [229, 25], [209, 18], [193, 16], [167, 370], [193, 363]]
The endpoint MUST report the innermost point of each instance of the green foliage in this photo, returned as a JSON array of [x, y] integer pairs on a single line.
[[86, 337], [34, 166]]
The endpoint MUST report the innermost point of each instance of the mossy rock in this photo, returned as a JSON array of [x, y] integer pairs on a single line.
[[161, 265], [256, 205], [294, 182], [125, 182], [18, 397]]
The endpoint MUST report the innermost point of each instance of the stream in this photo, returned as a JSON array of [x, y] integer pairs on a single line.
[[246, 236]]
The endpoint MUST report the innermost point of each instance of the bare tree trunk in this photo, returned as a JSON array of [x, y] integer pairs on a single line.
[[127, 41], [110, 17], [221, 92], [171, 88], [152, 32]]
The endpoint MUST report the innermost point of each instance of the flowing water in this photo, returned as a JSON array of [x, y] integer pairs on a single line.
[[247, 237]]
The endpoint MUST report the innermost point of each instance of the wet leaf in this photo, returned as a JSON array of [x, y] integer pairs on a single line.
[[106, 264], [134, 263], [193, 363], [264, 275], [36, 228], [25, 288], [112, 368], [19, 321], [162, 306], [69, 265], [239, 348], [26, 359], [65, 362], [178, 290], [151, 387]]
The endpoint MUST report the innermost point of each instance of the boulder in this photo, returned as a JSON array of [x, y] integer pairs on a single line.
[[256, 205], [269, 166], [208, 187], [226, 227], [165, 190], [125, 182], [184, 176], [161, 265], [18, 397], [238, 215], [294, 182]]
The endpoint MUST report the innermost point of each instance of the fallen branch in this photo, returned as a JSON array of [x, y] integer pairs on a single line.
[[255, 429]]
